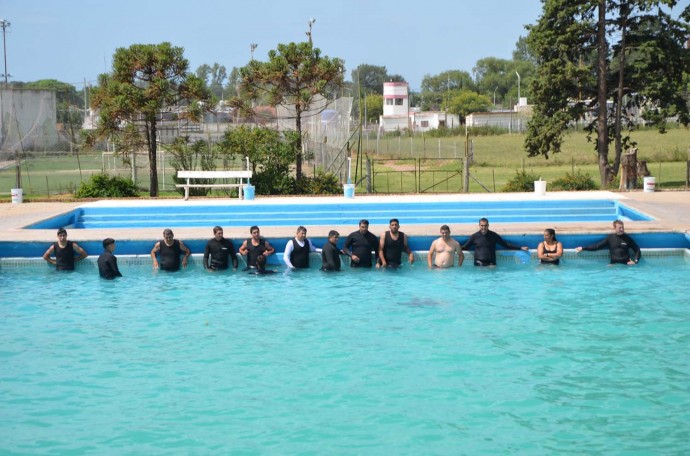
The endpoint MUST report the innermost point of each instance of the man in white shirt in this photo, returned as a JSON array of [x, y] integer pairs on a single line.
[[297, 250]]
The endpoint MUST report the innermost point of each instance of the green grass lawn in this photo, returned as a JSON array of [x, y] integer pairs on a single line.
[[496, 160]]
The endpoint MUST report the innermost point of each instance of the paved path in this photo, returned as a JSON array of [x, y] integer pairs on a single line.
[[671, 210]]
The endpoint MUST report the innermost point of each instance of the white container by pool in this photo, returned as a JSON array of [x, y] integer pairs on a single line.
[[248, 192], [649, 184], [17, 195], [349, 190], [540, 187]]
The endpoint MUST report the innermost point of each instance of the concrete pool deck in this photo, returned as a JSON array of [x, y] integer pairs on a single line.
[[670, 209]]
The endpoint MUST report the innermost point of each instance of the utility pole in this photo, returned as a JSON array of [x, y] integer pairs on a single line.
[[4, 24], [252, 48]]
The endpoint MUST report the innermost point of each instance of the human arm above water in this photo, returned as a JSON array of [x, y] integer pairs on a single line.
[[154, 251], [186, 252]]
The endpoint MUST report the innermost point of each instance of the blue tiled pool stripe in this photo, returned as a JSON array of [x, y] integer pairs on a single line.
[[338, 214]]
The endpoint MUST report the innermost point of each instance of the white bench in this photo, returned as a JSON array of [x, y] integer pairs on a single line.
[[238, 178]]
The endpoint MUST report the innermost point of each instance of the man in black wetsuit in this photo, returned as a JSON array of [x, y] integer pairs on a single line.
[[484, 242], [359, 245], [330, 255], [107, 262], [255, 246], [219, 251], [619, 244], [169, 250], [64, 252], [392, 244]]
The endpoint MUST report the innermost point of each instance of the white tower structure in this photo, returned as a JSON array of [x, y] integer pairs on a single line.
[[396, 106], [396, 99]]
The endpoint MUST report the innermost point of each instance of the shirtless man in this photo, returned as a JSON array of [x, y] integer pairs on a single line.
[[442, 251]]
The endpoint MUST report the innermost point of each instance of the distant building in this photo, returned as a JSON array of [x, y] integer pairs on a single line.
[[512, 120], [397, 114], [396, 106], [431, 120]]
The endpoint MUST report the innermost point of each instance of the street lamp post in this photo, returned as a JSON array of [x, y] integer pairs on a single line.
[[518, 104], [518, 75], [18, 177], [311, 23]]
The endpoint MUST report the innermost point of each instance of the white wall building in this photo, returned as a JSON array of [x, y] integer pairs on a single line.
[[513, 120], [396, 106], [431, 120], [397, 114]]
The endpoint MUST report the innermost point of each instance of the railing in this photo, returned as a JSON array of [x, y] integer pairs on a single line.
[[416, 175]]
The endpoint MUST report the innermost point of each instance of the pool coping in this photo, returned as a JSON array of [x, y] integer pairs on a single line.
[[670, 210]]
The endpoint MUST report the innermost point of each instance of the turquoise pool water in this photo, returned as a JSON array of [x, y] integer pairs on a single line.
[[578, 359]]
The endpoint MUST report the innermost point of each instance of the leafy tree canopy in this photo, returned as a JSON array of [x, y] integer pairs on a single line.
[[593, 53], [146, 79], [467, 102], [368, 78], [64, 92], [437, 90], [294, 75]]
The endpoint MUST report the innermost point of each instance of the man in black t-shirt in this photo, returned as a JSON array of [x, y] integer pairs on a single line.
[[359, 246]]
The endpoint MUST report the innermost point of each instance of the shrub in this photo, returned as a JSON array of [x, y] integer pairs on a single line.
[[521, 182], [576, 181], [190, 157], [274, 181], [321, 184], [103, 185]]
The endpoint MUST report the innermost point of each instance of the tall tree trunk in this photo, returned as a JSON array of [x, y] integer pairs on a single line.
[[153, 166], [624, 13], [298, 124], [602, 120]]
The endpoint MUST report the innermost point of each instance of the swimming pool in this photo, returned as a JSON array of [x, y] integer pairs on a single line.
[[339, 212], [582, 358]]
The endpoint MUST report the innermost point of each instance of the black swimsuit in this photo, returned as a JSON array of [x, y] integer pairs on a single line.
[[546, 250]]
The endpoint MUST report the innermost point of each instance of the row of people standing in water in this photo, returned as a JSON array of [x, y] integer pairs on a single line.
[[364, 249]]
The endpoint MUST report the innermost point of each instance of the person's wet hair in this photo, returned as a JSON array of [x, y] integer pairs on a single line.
[[261, 262], [253, 228], [61, 231], [551, 232], [217, 229], [107, 242], [167, 231], [445, 228]]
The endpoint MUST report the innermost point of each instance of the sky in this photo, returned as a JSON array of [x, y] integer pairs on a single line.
[[74, 40]]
